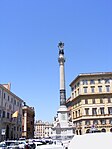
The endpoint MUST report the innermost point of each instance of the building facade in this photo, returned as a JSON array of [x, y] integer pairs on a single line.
[[90, 103], [43, 129], [10, 123], [28, 121]]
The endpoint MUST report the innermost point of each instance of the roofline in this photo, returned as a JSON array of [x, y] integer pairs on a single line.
[[90, 74], [10, 92]]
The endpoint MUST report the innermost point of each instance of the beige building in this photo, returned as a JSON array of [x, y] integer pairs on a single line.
[[90, 103], [10, 123], [28, 121], [43, 129]]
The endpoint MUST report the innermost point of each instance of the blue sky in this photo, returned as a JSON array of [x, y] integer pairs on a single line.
[[30, 31]]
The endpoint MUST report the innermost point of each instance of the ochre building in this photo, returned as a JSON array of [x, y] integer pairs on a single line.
[[28, 122], [90, 103], [10, 114]]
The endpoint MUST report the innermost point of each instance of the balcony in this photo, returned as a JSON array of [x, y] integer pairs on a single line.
[[6, 120], [9, 120]]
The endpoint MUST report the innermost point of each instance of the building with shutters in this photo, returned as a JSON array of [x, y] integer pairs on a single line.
[[10, 123], [28, 120], [90, 103], [43, 129]]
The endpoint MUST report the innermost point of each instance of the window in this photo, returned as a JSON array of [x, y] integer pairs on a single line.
[[109, 100], [87, 111], [15, 102], [73, 115], [93, 101], [92, 89], [20, 104], [107, 88], [94, 111], [86, 101], [0, 113], [80, 123], [85, 82], [110, 121], [78, 102], [85, 89], [78, 84], [99, 81], [7, 114], [87, 122], [10, 107], [11, 100], [20, 119], [95, 122], [78, 91], [101, 100], [5, 104], [110, 110], [3, 114], [92, 82], [107, 81], [72, 95], [103, 121], [4, 95], [102, 110], [76, 113], [8, 98], [100, 89], [79, 112], [75, 124], [72, 89], [14, 128]]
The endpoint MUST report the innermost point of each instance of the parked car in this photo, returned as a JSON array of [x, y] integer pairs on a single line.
[[23, 145], [32, 145], [50, 146], [38, 143], [3, 145], [12, 144]]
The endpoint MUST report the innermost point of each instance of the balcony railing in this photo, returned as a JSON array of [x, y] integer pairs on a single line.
[[9, 120]]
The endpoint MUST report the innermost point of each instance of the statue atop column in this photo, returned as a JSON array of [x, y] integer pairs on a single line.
[[61, 47], [62, 128]]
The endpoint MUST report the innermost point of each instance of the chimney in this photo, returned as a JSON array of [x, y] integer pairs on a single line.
[[7, 86]]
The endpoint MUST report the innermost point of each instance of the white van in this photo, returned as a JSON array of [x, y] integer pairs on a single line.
[[100, 140]]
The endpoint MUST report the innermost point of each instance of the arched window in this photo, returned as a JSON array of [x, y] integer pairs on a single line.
[[110, 129], [103, 130], [88, 130], [80, 132], [76, 132]]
